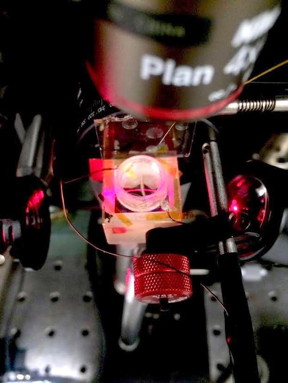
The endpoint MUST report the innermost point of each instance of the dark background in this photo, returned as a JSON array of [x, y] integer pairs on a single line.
[[44, 45]]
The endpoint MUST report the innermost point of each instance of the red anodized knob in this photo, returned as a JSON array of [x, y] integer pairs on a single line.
[[160, 276]]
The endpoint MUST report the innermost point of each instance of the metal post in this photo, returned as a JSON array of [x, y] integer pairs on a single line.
[[132, 317], [133, 310], [239, 331]]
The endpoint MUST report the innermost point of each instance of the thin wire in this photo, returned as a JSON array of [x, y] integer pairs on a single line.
[[163, 138], [192, 140], [266, 72], [86, 176], [85, 132], [175, 220], [73, 227], [215, 296], [193, 134]]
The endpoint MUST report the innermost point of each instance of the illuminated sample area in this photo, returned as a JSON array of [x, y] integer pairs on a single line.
[[137, 195], [141, 183], [139, 175]]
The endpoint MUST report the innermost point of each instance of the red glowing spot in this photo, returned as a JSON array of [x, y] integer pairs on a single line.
[[241, 182], [35, 201], [119, 230], [234, 207], [96, 169], [229, 339]]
